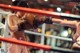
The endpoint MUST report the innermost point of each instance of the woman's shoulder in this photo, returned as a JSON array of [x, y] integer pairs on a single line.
[[11, 16]]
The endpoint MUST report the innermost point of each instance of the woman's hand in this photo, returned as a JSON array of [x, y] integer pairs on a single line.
[[20, 21]]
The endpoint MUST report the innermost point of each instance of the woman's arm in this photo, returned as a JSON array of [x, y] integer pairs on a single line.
[[77, 33], [65, 22], [12, 23]]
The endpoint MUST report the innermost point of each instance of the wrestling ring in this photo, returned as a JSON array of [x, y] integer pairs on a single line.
[[41, 46]]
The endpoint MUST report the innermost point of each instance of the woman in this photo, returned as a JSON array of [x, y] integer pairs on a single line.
[[16, 26]]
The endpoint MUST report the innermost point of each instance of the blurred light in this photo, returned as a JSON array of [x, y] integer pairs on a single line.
[[45, 0], [64, 33], [48, 33], [39, 30], [13, 0], [58, 9], [69, 31], [9, 5]]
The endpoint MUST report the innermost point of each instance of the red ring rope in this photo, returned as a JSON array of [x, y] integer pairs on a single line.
[[35, 45], [48, 13]]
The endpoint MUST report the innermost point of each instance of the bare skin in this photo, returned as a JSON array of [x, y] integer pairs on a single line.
[[13, 22]]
